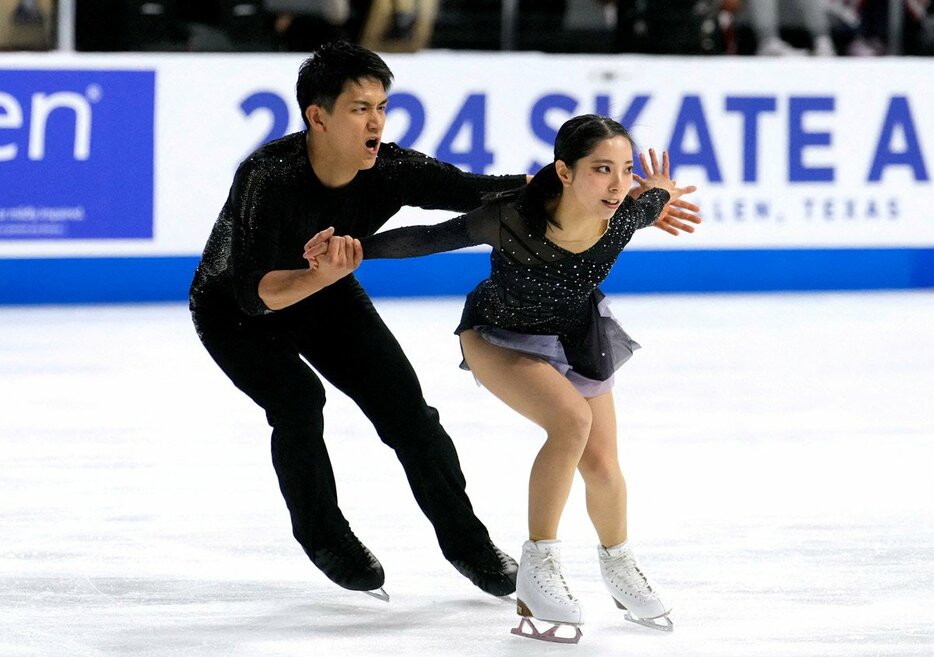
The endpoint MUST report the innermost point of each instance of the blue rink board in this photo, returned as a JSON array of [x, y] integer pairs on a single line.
[[159, 279]]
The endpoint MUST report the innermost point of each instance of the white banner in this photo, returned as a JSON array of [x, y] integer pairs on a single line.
[[786, 153]]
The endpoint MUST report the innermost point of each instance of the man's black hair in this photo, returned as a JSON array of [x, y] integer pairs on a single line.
[[321, 77]]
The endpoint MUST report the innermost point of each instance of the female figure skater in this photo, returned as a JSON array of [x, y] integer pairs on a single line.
[[538, 335]]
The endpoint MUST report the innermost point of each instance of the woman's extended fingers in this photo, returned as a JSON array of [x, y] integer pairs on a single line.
[[687, 205], [687, 189], [689, 214], [654, 159], [645, 166]]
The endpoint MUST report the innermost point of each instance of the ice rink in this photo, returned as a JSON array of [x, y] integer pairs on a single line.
[[778, 451]]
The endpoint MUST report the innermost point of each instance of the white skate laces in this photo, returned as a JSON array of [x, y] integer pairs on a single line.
[[543, 593], [632, 591]]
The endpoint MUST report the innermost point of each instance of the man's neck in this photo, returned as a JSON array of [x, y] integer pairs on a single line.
[[326, 165]]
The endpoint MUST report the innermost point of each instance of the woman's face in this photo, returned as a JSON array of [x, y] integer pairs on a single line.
[[599, 182]]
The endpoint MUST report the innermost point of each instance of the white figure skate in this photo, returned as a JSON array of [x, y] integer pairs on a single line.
[[543, 594], [632, 591]]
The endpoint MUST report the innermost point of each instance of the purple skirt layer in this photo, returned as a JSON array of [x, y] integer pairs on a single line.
[[549, 348]]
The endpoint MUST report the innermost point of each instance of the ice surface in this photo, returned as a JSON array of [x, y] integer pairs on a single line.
[[778, 452]]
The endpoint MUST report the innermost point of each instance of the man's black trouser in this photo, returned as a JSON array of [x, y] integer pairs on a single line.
[[339, 332]]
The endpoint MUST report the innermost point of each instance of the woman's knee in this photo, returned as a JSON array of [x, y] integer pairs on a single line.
[[570, 423], [599, 467]]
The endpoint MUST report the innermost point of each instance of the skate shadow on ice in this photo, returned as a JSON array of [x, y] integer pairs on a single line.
[[134, 615]]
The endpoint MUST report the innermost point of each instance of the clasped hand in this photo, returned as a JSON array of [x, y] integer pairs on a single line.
[[333, 256]]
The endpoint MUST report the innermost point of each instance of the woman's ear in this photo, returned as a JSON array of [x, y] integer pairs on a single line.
[[564, 172]]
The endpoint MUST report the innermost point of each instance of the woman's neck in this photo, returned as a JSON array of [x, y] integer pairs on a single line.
[[576, 227]]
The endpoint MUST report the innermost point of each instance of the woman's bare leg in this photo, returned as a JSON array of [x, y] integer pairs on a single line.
[[599, 466], [533, 388]]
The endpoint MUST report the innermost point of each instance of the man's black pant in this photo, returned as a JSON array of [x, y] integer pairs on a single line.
[[339, 332]]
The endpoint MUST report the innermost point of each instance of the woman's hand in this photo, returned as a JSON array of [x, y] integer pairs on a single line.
[[677, 211], [317, 246]]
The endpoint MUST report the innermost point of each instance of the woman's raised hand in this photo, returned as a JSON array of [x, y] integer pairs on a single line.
[[678, 214]]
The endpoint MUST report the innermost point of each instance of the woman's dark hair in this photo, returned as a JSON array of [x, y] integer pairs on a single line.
[[577, 138], [321, 77]]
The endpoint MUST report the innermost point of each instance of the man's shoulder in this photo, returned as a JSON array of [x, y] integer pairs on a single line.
[[278, 160], [392, 155], [286, 150]]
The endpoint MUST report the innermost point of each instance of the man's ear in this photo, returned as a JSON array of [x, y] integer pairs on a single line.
[[316, 118]]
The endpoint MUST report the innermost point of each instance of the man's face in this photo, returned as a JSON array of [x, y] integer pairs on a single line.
[[353, 128]]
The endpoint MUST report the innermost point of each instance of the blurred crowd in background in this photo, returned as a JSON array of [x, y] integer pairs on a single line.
[[780, 28]]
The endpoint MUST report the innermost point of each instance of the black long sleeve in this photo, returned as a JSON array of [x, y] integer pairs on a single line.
[[413, 241], [478, 227]]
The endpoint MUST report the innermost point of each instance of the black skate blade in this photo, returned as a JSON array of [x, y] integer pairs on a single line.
[[549, 635], [379, 594]]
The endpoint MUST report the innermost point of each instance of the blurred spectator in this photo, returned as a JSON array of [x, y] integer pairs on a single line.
[[26, 24], [129, 25], [871, 35], [172, 25], [765, 17], [675, 27], [226, 25], [383, 25], [468, 25], [540, 24], [672, 27], [398, 25], [303, 25]]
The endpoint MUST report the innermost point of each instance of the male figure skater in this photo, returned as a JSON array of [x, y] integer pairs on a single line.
[[259, 308]]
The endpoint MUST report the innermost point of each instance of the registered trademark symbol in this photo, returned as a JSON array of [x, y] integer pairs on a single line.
[[94, 92]]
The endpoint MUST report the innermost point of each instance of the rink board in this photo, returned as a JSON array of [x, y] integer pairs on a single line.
[[104, 280], [812, 175]]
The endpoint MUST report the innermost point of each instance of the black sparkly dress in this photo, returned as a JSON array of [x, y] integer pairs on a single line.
[[540, 298]]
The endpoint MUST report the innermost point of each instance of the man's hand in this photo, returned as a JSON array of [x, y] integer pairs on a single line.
[[341, 255], [328, 261]]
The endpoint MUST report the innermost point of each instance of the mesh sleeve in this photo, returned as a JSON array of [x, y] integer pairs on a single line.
[[651, 204], [477, 227]]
